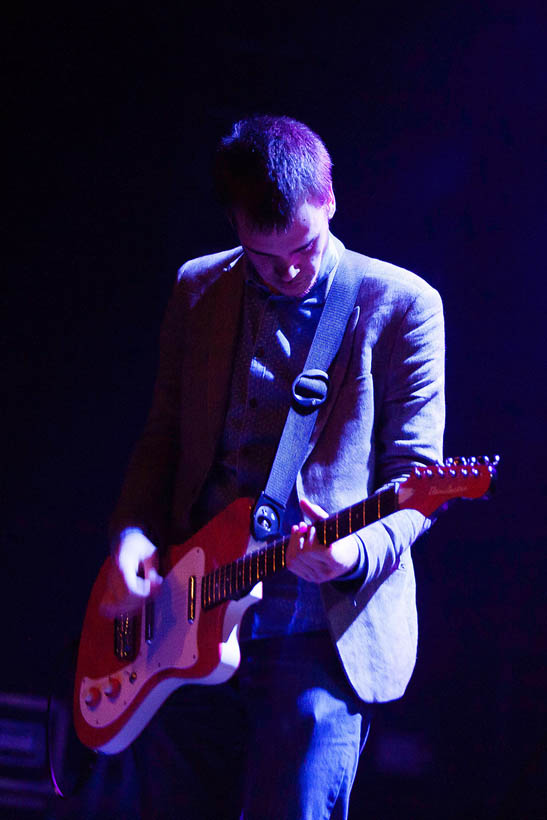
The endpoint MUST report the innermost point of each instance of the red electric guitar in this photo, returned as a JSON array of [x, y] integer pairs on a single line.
[[129, 665]]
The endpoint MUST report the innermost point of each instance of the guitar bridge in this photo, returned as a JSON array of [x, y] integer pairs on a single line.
[[125, 637]]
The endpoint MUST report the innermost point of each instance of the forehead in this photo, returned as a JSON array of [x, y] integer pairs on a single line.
[[307, 223]]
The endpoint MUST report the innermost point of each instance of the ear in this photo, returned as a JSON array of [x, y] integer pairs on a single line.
[[231, 219], [331, 204]]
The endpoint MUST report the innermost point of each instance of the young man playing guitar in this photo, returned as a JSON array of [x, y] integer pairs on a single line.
[[336, 630]]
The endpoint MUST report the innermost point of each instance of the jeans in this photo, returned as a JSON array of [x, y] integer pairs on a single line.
[[280, 741]]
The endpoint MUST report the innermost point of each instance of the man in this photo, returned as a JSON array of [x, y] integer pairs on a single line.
[[337, 632]]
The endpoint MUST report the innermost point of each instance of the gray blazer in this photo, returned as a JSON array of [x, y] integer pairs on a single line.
[[384, 413]]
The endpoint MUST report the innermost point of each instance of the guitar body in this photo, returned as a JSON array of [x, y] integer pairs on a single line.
[[115, 696]]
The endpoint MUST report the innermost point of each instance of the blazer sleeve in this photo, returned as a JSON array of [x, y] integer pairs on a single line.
[[409, 427], [146, 496]]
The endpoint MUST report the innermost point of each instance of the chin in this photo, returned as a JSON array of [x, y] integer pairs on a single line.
[[299, 288]]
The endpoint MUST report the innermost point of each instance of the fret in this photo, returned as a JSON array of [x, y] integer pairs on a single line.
[[330, 530], [371, 510], [230, 580], [358, 515], [388, 502], [218, 584], [240, 570], [249, 566], [344, 523]]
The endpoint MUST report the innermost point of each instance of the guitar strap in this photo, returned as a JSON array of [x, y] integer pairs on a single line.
[[309, 392]]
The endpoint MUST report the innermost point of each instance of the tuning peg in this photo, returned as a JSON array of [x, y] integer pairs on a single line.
[[417, 472], [472, 460], [449, 462], [440, 471], [485, 460], [496, 460]]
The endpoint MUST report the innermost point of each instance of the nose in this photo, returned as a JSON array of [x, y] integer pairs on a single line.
[[289, 272]]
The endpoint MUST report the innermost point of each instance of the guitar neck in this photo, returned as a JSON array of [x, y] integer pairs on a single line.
[[232, 581]]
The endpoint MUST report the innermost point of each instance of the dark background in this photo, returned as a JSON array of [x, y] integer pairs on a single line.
[[435, 118]]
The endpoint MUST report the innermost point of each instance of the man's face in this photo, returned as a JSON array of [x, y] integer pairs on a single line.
[[289, 261]]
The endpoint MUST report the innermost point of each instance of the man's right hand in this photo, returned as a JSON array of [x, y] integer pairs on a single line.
[[134, 574]]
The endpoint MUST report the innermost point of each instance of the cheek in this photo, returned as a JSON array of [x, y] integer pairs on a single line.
[[310, 262], [314, 261], [263, 267]]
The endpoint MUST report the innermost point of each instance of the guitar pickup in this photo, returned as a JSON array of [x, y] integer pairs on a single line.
[[191, 598], [149, 618]]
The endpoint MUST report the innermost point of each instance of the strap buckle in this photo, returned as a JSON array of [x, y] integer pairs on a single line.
[[310, 390], [266, 517]]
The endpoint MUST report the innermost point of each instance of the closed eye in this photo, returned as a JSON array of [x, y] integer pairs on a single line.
[[302, 249]]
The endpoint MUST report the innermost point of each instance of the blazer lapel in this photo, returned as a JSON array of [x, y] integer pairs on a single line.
[[226, 318]]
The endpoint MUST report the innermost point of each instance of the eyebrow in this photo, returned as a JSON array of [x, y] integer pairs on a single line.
[[301, 248]]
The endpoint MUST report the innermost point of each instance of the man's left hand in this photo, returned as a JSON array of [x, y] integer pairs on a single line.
[[313, 561]]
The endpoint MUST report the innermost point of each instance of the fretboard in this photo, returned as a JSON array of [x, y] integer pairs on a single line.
[[234, 580]]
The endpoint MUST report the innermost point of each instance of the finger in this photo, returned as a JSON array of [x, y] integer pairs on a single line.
[[143, 587], [313, 511], [138, 586], [155, 578]]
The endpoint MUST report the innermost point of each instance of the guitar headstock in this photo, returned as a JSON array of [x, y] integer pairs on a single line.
[[428, 488]]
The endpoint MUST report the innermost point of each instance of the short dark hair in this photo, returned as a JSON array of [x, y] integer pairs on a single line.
[[267, 166]]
